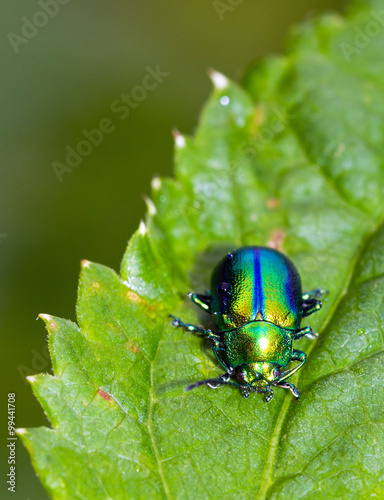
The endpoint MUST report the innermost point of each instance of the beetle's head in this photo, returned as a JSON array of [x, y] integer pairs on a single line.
[[259, 374]]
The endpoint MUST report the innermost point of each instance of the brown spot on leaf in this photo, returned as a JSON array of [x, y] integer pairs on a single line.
[[273, 203], [276, 239], [133, 296], [104, 395], [135, 348]]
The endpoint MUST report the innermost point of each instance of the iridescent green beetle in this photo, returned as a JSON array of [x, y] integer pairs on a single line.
[[257, 305]]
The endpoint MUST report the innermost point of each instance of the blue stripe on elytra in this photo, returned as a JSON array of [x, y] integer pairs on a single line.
[[258, 299]]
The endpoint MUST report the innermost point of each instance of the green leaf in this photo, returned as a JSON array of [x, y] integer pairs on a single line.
[[294, 160]]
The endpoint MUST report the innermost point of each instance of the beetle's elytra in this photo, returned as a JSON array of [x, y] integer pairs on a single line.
[[257, 305]]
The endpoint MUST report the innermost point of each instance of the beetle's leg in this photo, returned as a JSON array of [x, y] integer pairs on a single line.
[[311, 306], [291, 387], [296, 356], [270, 394], [317, 294], [229, 370], [245, 393], [268, 390], [209, 334], [261, 390], [218, 346], [312, 301], [305, 332], [214, 383], [188, 326], [203, 301]]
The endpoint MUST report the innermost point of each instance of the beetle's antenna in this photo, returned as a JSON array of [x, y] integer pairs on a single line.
[[212, 381]]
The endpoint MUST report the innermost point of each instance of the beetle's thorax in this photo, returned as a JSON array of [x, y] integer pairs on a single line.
[[258, 341]]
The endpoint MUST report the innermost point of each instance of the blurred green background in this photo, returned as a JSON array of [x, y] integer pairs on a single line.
[[64, 80]]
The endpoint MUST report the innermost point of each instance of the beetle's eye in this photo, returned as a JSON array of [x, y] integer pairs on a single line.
[[224, 287], [276, 373], [241, 376]]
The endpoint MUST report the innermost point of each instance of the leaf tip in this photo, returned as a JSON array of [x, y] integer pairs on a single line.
[[48, 320], [179, 138], [20, 431], [156, 183], [31, 379], [131, 295], [85, 263], [142, 228], [220, 82], [150, 205], [45, 317]]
